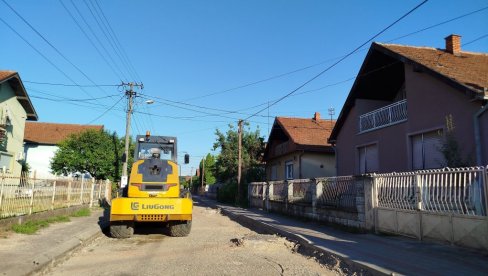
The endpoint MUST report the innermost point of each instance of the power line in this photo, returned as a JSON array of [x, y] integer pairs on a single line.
[[106, 111], [331, 59], [475, 40], [99, 24], [98, 39], [343, 58], [68, 85], [42, 55], [124, 53], [90, 40], [50, 44]]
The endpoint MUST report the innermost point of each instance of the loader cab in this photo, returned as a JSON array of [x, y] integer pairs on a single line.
[[162, 147]]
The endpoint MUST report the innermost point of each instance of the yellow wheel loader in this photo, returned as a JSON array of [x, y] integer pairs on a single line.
[[152, 193]]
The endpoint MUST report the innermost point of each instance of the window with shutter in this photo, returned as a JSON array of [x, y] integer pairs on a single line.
[[426, 150], [368, 159]]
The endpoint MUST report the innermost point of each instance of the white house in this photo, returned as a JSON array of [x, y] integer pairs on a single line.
[[41, 142]]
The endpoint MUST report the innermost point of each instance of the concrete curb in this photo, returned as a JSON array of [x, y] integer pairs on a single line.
[[66, 249], [328, 258]]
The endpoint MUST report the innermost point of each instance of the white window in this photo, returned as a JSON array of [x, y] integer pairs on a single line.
[[5, 161], [368, 159], [289, 170], [426, 152], [274, 172]]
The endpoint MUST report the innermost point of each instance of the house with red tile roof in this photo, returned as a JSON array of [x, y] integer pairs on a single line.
[[15, 108], [410, 106], [41, 142], [297, 148]]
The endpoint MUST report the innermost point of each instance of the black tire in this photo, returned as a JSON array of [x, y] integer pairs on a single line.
[[121, 229], [179, 228]]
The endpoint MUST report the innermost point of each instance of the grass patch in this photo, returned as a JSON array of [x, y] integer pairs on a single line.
[[31, 227], [85, 212]]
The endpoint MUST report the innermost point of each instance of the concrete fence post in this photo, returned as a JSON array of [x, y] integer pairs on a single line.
[[370, 202], [69, 193], [313, 193], [1, 194], [270, 191], [289, 193], [31, 205], [249, 193], [82, 189], [54, 195], [108, 191], [92, 192], [99, 189]]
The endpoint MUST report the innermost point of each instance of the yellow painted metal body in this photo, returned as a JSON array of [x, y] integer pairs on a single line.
[[151, 209], [136, 181], [153, 205]]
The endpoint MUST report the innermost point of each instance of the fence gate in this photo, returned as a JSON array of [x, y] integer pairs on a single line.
[[446, 205]]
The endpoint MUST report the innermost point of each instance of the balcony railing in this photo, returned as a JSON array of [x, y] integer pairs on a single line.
[[383, 117]]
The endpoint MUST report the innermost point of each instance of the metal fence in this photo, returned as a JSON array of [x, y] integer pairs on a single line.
[[278, 190], [455, 191], [338, 192], [24, 195], [303, 190], [330, 192], [384, 116]]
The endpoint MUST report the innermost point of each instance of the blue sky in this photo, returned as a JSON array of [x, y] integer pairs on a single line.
[[190, 55]]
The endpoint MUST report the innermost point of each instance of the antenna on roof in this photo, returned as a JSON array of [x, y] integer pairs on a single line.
[[331, 112]]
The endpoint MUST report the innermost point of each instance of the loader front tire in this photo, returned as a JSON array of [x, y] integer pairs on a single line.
[[121, 229], [180, 228]]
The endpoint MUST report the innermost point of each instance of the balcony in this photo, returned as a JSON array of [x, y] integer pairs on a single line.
[[383, 117]]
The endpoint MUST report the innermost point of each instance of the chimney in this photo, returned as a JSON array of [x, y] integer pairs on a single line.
[[453, 44], [316, 116]]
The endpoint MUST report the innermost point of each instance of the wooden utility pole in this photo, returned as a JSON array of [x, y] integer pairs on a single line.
[[130, 104], [239, 162], [203, 171]]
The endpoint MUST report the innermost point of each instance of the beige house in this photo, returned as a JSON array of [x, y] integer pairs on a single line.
[[15, 109], [297, 148]]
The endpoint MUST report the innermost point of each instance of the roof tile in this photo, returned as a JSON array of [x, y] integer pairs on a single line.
[[308, 132], [470, 69], [51, 133]]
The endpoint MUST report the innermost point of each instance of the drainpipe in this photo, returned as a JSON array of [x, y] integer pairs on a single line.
[[336, 156], [477, 134]]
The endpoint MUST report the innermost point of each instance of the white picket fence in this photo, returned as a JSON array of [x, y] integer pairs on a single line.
[[24, 195]]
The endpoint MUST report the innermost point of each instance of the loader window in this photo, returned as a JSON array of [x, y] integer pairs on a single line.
[[144, 151]]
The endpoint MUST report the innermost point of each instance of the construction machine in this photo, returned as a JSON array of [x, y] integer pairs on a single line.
[[153, 192]]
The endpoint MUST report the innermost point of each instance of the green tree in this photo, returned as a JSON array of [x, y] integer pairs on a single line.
[[209, 170], [93, 151], [226, 161]]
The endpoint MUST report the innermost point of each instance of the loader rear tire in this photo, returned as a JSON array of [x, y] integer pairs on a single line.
[[180, 228], [121, 229]]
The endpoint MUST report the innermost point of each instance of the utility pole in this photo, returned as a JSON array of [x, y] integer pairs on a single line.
[[131, 94], [239, 162], [203, 171], [191, 179]]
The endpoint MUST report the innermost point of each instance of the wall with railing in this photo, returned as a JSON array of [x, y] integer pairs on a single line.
[[24, 195], [383, 117], [355, 201], [338, 200]]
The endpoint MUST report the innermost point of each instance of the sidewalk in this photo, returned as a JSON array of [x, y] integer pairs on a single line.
[[376, 254], [24, 254]]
